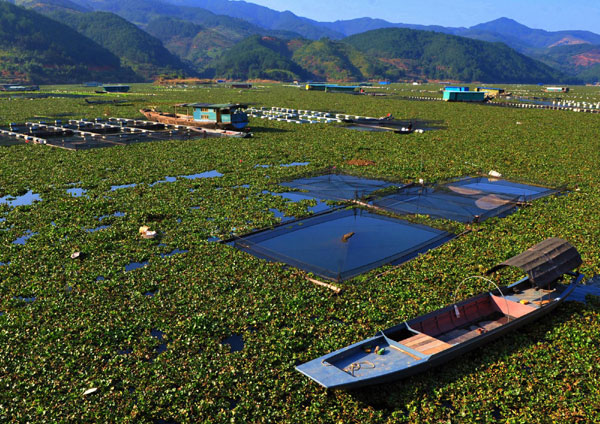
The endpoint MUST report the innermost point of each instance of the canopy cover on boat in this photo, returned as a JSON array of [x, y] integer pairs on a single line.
[[545, 262]]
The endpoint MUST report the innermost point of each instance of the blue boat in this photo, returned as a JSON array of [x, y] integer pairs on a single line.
[[435, 338]]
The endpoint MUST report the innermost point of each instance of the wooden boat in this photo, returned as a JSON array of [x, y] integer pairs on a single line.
[[205, 115], [433, 339]]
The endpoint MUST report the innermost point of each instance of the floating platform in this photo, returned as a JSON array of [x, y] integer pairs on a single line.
[[84, 134]]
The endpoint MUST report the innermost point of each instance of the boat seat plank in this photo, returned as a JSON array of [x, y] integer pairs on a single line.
[[458, 336], [425, 344]]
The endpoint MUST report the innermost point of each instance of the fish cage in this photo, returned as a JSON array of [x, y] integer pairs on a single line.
[[443, 202], [337, 186], [478, 185], [86, 134], [342, 244]]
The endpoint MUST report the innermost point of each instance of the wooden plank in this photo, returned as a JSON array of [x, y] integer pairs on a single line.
[[425, 344]]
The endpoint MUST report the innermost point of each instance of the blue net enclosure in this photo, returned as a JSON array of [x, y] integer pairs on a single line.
[[342, 244], [478, 185], [443, 202], [338, 186]]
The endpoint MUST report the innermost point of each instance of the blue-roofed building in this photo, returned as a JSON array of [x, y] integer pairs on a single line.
[[456, 88], [226, 116], [464, 96]]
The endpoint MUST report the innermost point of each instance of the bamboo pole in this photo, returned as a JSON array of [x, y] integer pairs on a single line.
[[331, 287]]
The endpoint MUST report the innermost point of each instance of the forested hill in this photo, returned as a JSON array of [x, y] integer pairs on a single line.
[[37, 49], [259, 58], [137, 49], [435, 55]]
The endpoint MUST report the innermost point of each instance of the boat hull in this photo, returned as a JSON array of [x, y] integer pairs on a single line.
[[351, 368], [188, 121]]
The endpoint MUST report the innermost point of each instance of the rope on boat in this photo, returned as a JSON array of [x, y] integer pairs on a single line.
[[355, 366]]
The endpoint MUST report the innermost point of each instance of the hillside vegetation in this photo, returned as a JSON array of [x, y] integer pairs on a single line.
[[141, 51], [337, 61], [441, 56], [581, 60], [259, 58], [37, 49]]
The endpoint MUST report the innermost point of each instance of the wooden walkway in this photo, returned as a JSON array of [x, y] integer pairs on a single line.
[[591, 286]]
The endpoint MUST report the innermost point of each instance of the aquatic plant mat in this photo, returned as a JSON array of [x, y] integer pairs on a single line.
[[342, 244], [86, 340]]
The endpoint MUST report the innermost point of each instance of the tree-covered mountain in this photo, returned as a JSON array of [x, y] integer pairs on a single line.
[[331, 60], [259, 57], [37, 49], [434, 55], [581, 60], [137, 49], [194, 43]]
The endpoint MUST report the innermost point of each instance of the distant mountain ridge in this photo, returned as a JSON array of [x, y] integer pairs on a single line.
[[153, 37]]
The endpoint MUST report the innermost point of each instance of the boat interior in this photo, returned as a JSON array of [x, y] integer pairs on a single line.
[[433, 333]]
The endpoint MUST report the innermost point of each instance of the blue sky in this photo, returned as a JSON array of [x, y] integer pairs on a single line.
[[552, 15]]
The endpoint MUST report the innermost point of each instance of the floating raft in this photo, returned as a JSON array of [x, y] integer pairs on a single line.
[[305, 116], [83, 134]]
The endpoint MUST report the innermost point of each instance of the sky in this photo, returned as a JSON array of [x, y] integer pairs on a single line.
[[551, 15]]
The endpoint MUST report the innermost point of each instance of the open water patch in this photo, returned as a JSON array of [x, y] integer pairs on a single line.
[[166, 180], [26, 199], [118, 187], [24, 238], [298, 197], [235, 341], [98, 228], [26, 299], [135, 265], [288, 165], [159, 335], [76, 192], [208, 174], [117, 214], [173, 253], [281, 215]]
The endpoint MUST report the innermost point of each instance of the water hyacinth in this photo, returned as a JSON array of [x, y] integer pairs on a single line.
[[65, 343]]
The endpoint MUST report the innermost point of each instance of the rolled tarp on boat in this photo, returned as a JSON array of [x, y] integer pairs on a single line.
[[545, 262]]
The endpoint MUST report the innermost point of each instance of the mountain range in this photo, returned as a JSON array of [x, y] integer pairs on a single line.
[[240, 40]]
